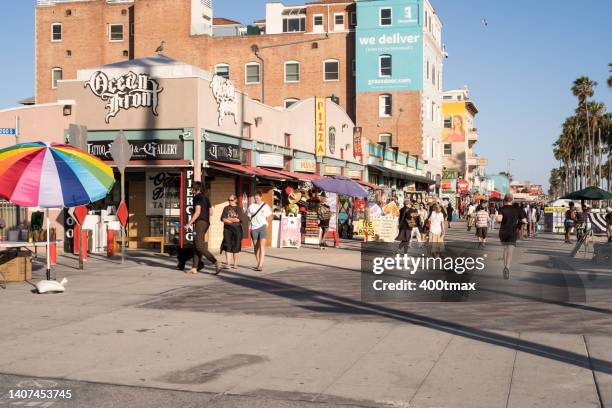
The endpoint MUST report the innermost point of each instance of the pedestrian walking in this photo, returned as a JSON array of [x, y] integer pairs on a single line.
[[415, 224], [570, 221], [609, 223], [324, 214], [259, 212], [492, 215], [232, 218], [423, 223], [404, 230], [200, 220], [533, 219], [509, 218], [482, 222], [471, 216], [436, 231], [449, 214]]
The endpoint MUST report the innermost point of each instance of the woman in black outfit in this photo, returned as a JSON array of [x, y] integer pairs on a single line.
[[232, 217], [404, 229]]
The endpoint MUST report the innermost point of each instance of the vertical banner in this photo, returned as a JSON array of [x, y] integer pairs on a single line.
[[187, 206], [320, 126], [357, 151]]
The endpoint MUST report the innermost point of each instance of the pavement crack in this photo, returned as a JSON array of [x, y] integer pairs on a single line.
[[430, 370], [512, 373]]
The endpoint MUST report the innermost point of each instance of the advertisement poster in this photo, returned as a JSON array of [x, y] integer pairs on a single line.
[[320, 148], [388, 228], [371, 228], [290, 236], [357, 149], [389, 57], [391, 209], [454, 122]]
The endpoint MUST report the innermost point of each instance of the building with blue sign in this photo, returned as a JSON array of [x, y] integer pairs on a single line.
[[398, 69]]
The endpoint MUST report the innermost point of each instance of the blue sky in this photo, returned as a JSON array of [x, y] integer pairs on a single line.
[[519, 68]]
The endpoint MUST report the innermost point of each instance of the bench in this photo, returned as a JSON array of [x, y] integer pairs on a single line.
[[155, 240]]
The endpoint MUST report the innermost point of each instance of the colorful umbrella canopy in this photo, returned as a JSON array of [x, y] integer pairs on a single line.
[[52, 175], [340, 185]]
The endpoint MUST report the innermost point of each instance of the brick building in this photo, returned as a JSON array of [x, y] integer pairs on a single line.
[[303, 51]]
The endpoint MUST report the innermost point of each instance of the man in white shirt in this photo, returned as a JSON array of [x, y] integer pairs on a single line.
[[259, 212], [436, 231]]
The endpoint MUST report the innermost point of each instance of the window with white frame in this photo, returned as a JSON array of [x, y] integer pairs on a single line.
[[115, 32], [252, 73], [294, 24], [385, 105], [385, 138], [292, 71], [448, 149], [56, 75], [339, 22], [384, 65], [223, 70], [289, 102], [331, 70], [386, 16], [317, 23], [56, 32]]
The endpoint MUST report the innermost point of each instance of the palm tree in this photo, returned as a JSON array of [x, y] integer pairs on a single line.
[[583, 89]]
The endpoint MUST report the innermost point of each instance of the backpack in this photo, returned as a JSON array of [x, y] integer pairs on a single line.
[[324, 213]]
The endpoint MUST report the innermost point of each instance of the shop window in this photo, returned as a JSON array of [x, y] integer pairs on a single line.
[[317, 23], [116, 32], [294, 24], [339, 22], [386, 18], [331, 70], [384, 66], [385, 106], [56, 75], [290, 102], [56, 32], [223, 70], [252, 73], [292, 71]]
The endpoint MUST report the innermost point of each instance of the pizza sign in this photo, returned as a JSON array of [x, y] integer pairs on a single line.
[[320, 126]]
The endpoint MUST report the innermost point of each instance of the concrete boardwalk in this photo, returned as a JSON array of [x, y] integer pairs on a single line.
[[298, 335]]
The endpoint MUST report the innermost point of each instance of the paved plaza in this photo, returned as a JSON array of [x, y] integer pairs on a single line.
[[298, 334]]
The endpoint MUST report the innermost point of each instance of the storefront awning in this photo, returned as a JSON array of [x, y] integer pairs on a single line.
[[369, 185], [297, 176], [401, 175], [245, 170]]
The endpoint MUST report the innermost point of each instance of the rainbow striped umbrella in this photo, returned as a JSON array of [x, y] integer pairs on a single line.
[[52, 175]]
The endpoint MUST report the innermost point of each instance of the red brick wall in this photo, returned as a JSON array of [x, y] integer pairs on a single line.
[[405, 127], [84, 33]]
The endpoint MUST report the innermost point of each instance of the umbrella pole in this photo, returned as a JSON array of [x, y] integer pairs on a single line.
[[48, 249]]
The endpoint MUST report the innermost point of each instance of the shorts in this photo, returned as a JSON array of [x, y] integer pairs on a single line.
[[508, 238], [259, 233], [481, 232]]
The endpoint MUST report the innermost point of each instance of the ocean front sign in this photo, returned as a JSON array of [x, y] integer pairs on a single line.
[[224, 93], [125, 92]]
